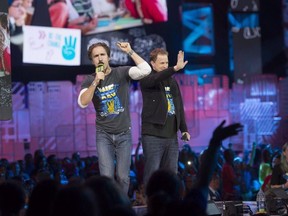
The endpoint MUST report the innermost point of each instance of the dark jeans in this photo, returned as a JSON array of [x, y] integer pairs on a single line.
[[159, 153]]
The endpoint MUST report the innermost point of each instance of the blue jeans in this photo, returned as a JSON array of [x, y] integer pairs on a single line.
[[115, 149], [159, 153]]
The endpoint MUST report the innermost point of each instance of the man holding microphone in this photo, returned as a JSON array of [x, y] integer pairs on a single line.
[[108, 90]]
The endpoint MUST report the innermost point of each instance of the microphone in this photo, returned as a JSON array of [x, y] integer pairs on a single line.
[[99, 67]]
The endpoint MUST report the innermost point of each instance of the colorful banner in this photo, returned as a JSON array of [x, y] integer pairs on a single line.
[[53, 46]]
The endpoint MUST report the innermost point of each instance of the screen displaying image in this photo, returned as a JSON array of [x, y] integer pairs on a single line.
[[95, 16], [5, 69], [198, 29], [95, 20]]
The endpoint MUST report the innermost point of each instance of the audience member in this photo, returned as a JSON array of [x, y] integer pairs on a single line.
[[29, 164], [188, 160], [40, 162], [217, 173], [244, 177], [197, 204], [164, 180], [91, 166], [38, 153], [265, 168], [276, 159], [3, 170], [108, 194], [78, 163], [69, 168], [41, 171], [14, 170], [229, 178], [252, 161], [75, 201], [255, 162], [42, 198], [54, 164], [214, 187], [280, 172], [12, 199], [163, 189]]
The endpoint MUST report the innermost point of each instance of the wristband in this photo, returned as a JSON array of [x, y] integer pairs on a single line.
[[94, 83], [130, 52], [283, 186]]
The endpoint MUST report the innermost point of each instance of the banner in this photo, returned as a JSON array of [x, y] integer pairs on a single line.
[[53, 46]]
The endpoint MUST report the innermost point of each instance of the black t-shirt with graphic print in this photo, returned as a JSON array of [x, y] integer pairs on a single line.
[[111, 100]]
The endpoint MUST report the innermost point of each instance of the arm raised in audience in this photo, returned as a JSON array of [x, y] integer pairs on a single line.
[[209, 163]]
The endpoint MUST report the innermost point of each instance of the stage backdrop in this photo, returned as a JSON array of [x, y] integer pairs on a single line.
[[46, 115]]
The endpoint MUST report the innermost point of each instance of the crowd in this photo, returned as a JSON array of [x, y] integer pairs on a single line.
[[47, 185], [39, 182]]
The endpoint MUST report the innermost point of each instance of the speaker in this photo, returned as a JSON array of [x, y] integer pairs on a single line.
[[212, 209]]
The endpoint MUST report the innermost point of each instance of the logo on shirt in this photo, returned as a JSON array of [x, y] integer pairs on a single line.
[[171, 107], [110, 102]]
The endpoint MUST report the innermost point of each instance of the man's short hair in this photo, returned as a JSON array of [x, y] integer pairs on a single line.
[[158, 51], [102, 44]]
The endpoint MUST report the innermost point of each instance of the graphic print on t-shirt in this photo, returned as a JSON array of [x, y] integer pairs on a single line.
[[171, 107], [110, 102]]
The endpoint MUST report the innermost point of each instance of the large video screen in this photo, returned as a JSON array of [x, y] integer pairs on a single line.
[[59, 32], [5, 68], [95, 16]]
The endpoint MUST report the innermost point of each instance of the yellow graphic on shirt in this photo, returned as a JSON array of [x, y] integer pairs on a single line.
[[111, 106], [171, 106]]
